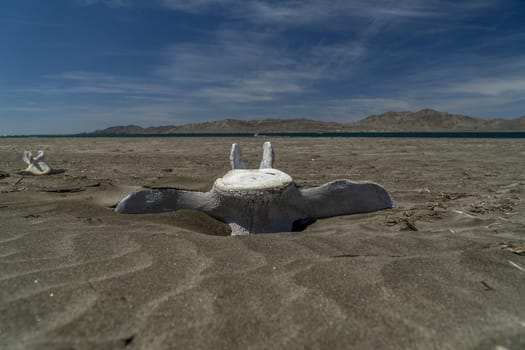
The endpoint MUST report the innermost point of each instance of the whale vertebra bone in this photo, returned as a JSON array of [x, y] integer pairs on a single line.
[[262, 200]]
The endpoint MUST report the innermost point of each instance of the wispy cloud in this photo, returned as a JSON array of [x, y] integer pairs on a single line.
[[81, 76], [79, 82], [251, 66], [292, 12], [496, 86], [490, 94], [262, 87], [346, 109]]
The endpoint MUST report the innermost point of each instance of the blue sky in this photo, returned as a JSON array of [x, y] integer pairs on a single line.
[[79, 65]]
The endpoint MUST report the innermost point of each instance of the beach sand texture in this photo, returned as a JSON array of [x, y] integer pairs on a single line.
[[444, 270]]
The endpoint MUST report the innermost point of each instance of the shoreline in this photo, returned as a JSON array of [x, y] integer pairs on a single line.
[[313, 134]]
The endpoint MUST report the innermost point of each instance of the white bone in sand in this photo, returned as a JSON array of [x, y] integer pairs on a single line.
[[236, 157], [36, 164], [263, 200]]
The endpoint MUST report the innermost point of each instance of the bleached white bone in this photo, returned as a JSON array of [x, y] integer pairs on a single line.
[[236, 157], [36, 164], [267, 157], [263, 200]]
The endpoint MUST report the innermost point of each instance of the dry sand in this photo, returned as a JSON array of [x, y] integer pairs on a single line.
[[442, 271]]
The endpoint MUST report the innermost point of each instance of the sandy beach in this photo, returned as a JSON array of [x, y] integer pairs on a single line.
[[444, 270]]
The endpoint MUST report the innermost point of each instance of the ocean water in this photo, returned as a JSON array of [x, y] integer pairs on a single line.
[[436, 134]]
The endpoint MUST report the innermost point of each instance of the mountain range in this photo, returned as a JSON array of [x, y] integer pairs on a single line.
[[423, 120]]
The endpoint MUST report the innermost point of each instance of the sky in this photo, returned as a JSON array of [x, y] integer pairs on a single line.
[[70, 66]]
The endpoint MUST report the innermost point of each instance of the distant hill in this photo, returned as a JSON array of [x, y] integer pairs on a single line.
[[423, 120], [432, 120], [234, 126]]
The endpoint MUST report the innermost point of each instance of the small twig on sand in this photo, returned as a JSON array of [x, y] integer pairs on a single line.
[[487, 287], [19, 180], [512, 263]]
